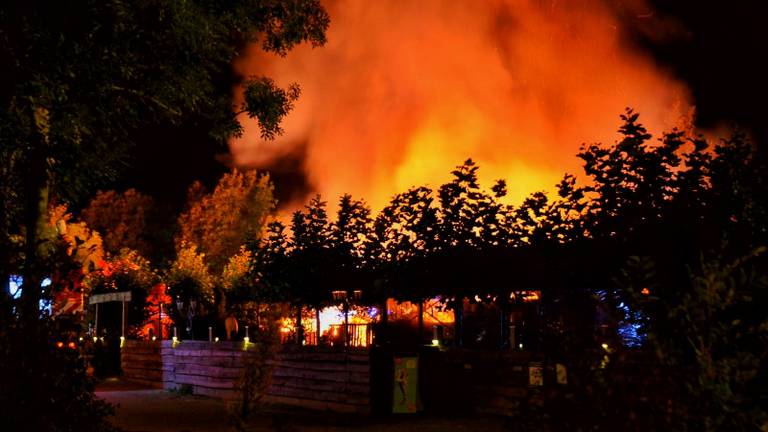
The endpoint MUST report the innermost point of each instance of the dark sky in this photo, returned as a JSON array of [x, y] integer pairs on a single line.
[[717, 47]]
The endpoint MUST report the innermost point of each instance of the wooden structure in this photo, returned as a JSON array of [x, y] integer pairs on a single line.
[[333, 380]]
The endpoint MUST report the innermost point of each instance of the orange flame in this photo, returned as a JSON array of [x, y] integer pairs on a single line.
[[404, 91]]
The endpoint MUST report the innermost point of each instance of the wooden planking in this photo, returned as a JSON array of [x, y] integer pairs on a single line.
[[318, 405], [338, 376], [333, 380], [322, 366], [318, 395], [211, 371], [321, 385]]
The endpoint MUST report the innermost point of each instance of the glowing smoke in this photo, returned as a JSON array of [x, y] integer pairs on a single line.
[[404, 91]]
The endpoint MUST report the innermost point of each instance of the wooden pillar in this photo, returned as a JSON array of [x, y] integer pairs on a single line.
[[317, 324], [96, 322], [299, 327], [346, 323], [458, 327], [122, 321], [160, 322], [421, 322]]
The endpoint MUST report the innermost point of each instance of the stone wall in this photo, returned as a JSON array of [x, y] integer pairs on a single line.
[[335, 380]]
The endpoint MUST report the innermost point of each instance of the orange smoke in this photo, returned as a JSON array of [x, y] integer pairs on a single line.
[[404, 91]]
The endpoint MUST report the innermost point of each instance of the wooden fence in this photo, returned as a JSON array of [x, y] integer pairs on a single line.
[[318, 379]]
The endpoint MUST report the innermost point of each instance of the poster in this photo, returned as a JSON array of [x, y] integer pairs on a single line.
[[405, 397], [561, 374], [535, 374]]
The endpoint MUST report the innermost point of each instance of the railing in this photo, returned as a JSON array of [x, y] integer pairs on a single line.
[[359, 335]]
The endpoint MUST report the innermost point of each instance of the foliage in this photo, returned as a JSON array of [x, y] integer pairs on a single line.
[[221, 222], [83, 244], [43, 387], [121, 219], [257, 367], [126, 271], [188, 276], [708, 346]]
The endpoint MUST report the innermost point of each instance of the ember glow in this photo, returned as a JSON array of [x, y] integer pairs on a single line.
[[405, 91]]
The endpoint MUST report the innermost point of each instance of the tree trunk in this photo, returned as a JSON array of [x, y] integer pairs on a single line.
[[36, 199], [222, 306]]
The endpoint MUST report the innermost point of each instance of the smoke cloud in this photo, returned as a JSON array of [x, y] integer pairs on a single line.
[[406, 90]]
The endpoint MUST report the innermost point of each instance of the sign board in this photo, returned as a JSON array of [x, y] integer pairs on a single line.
[[535, 374], [110, 297], [406, 392]]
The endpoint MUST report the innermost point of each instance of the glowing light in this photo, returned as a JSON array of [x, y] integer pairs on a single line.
[[605, 346], [59, 344], [71, 345], [435, 342], [527, 296], [645, 291], [81, 338], [246, 339], [216, 339], [521, 346], [95, 339], [122, 341], [154, 338]]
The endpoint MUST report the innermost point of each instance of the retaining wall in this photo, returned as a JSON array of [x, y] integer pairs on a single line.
[[335, 380]]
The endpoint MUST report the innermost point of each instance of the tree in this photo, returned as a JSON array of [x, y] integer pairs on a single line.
[[81, 77], [189, 276], [221, 222], [121, 219]]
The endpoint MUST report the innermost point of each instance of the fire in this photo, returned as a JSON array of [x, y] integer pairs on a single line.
[[331, 322], [404, 91]]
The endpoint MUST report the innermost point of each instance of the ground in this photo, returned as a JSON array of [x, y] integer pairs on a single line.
[[140, 409]]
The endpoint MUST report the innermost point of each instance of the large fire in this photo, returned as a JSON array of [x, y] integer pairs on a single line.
[[404, 91]]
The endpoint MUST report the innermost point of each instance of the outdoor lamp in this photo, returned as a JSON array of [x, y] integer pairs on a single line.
[[179, 304]]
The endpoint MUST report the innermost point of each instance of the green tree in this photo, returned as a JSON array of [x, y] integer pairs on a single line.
[[81, 77], [221, 222]]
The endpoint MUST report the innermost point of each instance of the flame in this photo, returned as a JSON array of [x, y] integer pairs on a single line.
[[404, 91]]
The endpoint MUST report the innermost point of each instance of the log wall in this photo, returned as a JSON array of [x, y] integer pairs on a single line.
[[334, 380]]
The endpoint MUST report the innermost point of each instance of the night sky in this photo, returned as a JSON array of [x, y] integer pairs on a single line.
[[717, 48]]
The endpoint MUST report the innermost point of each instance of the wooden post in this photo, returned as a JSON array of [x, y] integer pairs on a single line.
[[384, 322], [160, 322], [122, 323], [503, 324], [346, 323], [317, 323], [96, 322], [458, 314], [421, 322], [299, 327]]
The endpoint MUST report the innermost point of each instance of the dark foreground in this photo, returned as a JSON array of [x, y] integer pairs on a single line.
[[157, 410]]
